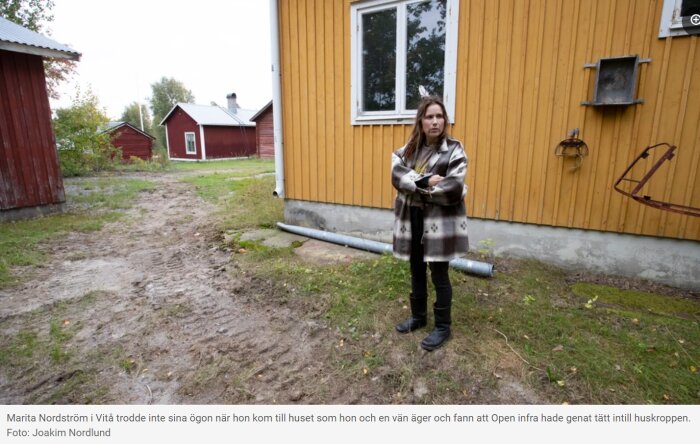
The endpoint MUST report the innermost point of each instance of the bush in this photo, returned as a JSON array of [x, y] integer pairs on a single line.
[[160, 156], [82, 146], [80, 163], [159, 162]]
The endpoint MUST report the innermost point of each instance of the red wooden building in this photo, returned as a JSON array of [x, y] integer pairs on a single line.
[[264, 133], [130, 140], [30, 178], [201, 132]]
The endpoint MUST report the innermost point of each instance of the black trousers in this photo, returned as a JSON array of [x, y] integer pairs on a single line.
[[438, 270]]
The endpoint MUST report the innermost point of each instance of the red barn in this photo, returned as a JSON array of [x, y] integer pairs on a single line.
[[130, 140], [201, 132], [264, 132], [30, 177]]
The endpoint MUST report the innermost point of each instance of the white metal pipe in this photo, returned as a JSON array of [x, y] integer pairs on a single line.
[[472, 267], [276, 99]]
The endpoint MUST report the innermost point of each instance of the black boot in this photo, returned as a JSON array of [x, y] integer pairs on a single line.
[[441, 332], [419, 317]]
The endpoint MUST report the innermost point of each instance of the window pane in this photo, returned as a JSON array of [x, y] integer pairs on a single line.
[[425, 49], [690, 7], [379, 60]]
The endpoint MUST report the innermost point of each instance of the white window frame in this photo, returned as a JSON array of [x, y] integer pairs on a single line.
[[399, 115], [671, 20], [194, 143]]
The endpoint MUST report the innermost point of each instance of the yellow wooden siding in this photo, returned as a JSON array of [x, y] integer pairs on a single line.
[[520, 81]]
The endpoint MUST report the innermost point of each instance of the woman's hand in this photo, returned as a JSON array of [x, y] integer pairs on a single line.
[[434, 180]]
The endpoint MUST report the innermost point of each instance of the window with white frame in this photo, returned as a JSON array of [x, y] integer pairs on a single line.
[[680, 17], [190, 144], [398, 49]]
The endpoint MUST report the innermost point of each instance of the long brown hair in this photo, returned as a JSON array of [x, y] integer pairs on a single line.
[[418, 137]]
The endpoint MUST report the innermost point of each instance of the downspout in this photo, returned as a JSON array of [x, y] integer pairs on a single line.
[[204, 146], [167, 142], [276, 99], [477, 268]]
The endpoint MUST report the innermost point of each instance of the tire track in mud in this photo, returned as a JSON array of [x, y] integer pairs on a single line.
[[168, 316]]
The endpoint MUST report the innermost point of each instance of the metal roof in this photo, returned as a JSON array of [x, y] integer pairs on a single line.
[[215, 115], [113, 125], [16, 38], [110, 125], [242, 115], [262, 110]]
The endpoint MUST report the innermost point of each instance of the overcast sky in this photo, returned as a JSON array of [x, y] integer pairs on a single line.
[[214, 47]]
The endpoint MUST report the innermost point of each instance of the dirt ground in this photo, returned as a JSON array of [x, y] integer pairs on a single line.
[[162, 313]]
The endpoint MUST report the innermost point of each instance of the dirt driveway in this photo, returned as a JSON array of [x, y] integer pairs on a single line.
[[154, 309], [158, 309]]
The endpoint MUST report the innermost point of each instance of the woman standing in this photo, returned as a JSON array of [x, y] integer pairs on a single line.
[[430, 218]]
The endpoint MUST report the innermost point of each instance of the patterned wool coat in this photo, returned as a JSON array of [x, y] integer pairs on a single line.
[[445, 221]]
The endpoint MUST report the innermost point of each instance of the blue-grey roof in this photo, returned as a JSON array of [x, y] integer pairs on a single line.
[[16, 38], [261, 110], [215, 115], [112, 125]]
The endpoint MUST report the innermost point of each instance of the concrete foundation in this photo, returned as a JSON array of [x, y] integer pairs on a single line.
[[31, 212], [667, 261]]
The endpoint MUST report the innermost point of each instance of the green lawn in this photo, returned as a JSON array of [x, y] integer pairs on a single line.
[[94, 202], [247, 167], [242, 201], [569, 341], [565, 339]]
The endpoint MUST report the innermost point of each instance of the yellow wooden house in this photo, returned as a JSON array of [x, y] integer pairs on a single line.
[[517, 77]]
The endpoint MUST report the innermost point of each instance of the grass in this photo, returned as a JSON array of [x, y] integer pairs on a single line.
[[94, 202], [42, 354], [566, 342], [59, 335], [241, 167], [218, 187], [587, 352], [344, 289], [47, 342], [530, 326], [107, 193], [637, 300], [22, 346], [158, 162], [242, 202]]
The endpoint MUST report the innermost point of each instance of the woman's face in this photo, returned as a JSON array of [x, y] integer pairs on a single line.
[[433, 123]]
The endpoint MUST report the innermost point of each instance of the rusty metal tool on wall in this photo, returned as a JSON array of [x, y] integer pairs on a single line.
[[648, 200]]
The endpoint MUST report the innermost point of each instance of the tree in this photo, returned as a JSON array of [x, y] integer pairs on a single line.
[[166, 93], [424, 54], [131, 114], [34, 15], [379, 60], [57, 71], [425, 50], [82, 146]]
